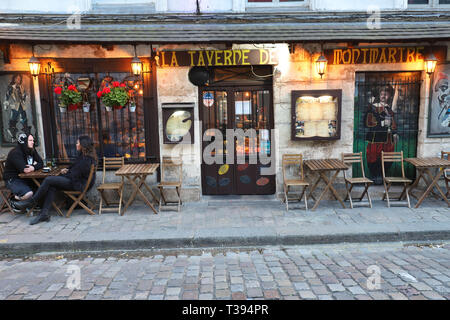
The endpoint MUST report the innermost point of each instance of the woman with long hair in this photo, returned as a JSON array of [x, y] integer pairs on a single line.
[[72, 179], [22, 159]]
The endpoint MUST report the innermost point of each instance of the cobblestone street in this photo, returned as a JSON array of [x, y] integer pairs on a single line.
[[327, 272]]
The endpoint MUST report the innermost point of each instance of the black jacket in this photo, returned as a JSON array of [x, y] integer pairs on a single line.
[[16, 162], [79, 172]]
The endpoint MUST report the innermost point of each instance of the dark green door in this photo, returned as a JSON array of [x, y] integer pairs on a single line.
[[386, 119]]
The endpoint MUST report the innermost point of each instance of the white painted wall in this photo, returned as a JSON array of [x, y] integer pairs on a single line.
[[44, 6], [360, 5]]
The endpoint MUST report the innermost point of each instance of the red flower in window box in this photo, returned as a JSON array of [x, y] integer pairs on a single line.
[[70, 98], [116, 84]]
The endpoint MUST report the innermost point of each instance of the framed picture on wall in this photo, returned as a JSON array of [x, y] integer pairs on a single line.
[[316, 114], [178, 123], [439, 107], [18, 112]]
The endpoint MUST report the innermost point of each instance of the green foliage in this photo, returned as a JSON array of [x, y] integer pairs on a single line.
[[117, 97], [69, 97]]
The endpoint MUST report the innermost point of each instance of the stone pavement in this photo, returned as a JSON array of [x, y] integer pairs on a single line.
[[212, 223], [371, 271]]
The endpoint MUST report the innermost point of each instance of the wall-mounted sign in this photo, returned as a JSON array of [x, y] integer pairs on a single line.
[[382, 55], [178, 123], [241, 57]]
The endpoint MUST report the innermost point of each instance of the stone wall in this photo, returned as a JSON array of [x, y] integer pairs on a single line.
[[294, 72]]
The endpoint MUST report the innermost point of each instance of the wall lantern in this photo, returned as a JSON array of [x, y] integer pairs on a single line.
[[321, 65], [136, 64], [430, 63], [34, 65]]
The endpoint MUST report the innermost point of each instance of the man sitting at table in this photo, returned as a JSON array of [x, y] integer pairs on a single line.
[[74, 178], [22, 159]]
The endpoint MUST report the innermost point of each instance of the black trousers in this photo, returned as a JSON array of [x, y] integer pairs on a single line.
[[48, 189]]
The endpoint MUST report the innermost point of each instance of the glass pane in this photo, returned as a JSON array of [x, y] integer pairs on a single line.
[[444, 1], [215, 117], [178, 125], [418, 1], [316, 116], [119, 133], [71, 123]]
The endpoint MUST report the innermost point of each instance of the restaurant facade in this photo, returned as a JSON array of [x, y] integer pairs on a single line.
[[230, 97]]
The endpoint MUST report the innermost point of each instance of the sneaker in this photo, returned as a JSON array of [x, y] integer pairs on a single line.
[[15, 209]]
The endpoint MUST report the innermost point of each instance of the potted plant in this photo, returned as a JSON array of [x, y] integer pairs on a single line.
[[70, 98], [115, 97], [86, 106]]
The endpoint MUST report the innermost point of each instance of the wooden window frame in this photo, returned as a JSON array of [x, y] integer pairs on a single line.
[[98, 65]]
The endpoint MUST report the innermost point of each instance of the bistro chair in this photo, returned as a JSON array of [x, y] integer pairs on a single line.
[[446, 155], [388, 181], [171, 178], [5, 193], [294, 164], [350, 158], [79, 196], [111, 163]]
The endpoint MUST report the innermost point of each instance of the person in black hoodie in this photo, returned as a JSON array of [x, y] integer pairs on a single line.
[[73, 178], [22, 159]]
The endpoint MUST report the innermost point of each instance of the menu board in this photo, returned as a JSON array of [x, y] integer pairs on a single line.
[[316, 115]]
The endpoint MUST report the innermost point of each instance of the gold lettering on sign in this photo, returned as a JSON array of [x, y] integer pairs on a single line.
[[201, 60], [347, 61], [383, 56], [245, 56], [353, 54], [209, 56], [227, 57], [392, 52], [419, 54], [218, 57], [191, 54], [374, 52], [337, 56], [238, 52], [365, 55], [401, 53], [264, 53], [163, 63], [410, 55], [174, 62]]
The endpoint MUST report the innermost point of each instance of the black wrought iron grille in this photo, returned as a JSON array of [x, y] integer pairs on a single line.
[[115, 133], [380, 123]]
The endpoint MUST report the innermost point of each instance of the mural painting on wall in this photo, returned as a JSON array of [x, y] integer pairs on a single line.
[[17, 102], [386, 119], [439, 109]]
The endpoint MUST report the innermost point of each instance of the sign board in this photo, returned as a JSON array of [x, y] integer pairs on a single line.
[[205, 58], [372, 55]]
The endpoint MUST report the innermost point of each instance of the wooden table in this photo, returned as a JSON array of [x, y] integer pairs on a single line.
[[321, 166], [39, 175], [423, 166], [133, 172]]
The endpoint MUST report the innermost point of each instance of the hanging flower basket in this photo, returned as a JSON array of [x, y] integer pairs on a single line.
[[115, 97], [132, 107], [86, 106], [70, 98]]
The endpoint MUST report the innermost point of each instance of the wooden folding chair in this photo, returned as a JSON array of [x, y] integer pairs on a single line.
[[111, 163], [388, 181], [446, 155], [171, 178], [295, 163], [350, 158], [79, 196], [5, 193]]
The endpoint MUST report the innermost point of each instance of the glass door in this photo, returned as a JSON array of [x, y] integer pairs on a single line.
[[242, 151]]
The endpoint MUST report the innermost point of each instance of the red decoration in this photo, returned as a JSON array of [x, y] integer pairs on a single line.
[[72, 107]]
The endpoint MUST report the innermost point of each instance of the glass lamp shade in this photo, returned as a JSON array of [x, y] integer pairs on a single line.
[[321, 65], [430, 63], [136, 66], [34, 65]]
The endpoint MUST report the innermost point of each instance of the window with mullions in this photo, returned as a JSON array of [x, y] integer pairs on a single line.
[[116, 133], [431, 3]]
